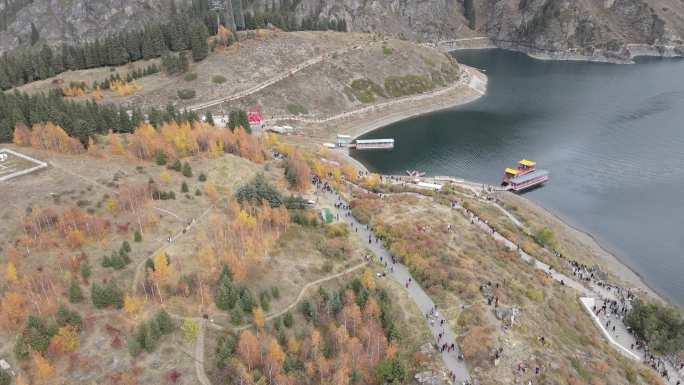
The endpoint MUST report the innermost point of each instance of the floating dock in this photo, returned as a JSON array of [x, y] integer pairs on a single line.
[[373, 144]]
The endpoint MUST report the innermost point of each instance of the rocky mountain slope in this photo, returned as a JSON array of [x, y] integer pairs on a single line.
[[579, 27]]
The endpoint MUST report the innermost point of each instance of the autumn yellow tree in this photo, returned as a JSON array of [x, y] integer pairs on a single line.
[[318, 169], [11, 272], [22, 135], [51, 137], [13, 310], [162, 272], [117, 147], [165, 177], [298, 172], [259, 319], [211, 191], [96, 93], [271, 139], [67, 340], [371, 311], [224, 35], [124, 88], [367, 280], [111, 205], [133, 305], [349, 172], [372, 181], [190, 329], [274, 359], [75, 238], [43, 369]]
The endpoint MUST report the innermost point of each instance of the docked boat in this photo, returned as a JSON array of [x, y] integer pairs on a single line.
[[524, 177]]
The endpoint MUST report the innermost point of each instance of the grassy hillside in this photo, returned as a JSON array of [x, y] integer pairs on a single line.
[[330, 73]]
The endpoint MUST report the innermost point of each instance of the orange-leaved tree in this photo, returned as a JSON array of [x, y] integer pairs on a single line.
[[248, 349]]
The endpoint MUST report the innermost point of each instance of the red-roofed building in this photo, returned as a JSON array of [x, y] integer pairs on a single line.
[[256, 121]]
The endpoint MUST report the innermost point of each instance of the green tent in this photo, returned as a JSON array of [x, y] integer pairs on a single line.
[[327, 215]]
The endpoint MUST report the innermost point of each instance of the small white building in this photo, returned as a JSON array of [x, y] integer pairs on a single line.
[[282, 130], [429, 186], [343, 140]]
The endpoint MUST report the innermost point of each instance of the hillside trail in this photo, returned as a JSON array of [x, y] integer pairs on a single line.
[[165, 243], [279, 77], [139, 270], [204, 323], [400, 273], [469, 77], [590, 292]]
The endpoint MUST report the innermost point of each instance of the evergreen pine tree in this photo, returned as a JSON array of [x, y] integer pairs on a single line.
[[209, 118], [134, 45], [187, 170], [226, 294], [75, 293], [244, 121], [175, 38], [35, 35], [165, 322], [117, 54], [199, 44]]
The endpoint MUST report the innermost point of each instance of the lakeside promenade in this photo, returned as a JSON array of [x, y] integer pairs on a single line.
[[592, 293]]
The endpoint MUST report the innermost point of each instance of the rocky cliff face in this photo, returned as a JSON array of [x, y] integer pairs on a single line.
[[58, 21], [572, 27], [582, 27]]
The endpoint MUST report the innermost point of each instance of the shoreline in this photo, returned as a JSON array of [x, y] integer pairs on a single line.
[[474, 89], [607, 256], [477, 82], [626, 55]]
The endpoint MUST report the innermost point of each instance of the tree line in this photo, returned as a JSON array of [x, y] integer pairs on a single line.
[[187, 30], [79, 119], [287, 22], [178, 34], [659, 326]]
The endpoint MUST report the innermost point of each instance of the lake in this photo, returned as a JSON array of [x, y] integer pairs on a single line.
[[612, 137]]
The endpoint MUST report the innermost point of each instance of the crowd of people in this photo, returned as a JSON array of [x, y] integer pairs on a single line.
[[612, 309], [616, 307], [437, 323]]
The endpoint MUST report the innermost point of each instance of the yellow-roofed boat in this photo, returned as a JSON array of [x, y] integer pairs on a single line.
[[525, 176]]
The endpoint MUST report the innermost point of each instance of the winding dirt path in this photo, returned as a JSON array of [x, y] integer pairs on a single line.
[[267, 83], [202, 323], [186, 229]]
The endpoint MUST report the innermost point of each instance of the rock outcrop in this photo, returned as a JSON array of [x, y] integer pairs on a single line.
[[594, 29]]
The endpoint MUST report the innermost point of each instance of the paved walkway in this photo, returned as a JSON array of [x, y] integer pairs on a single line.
[[616, 333], [401, 274], [590, 293]]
